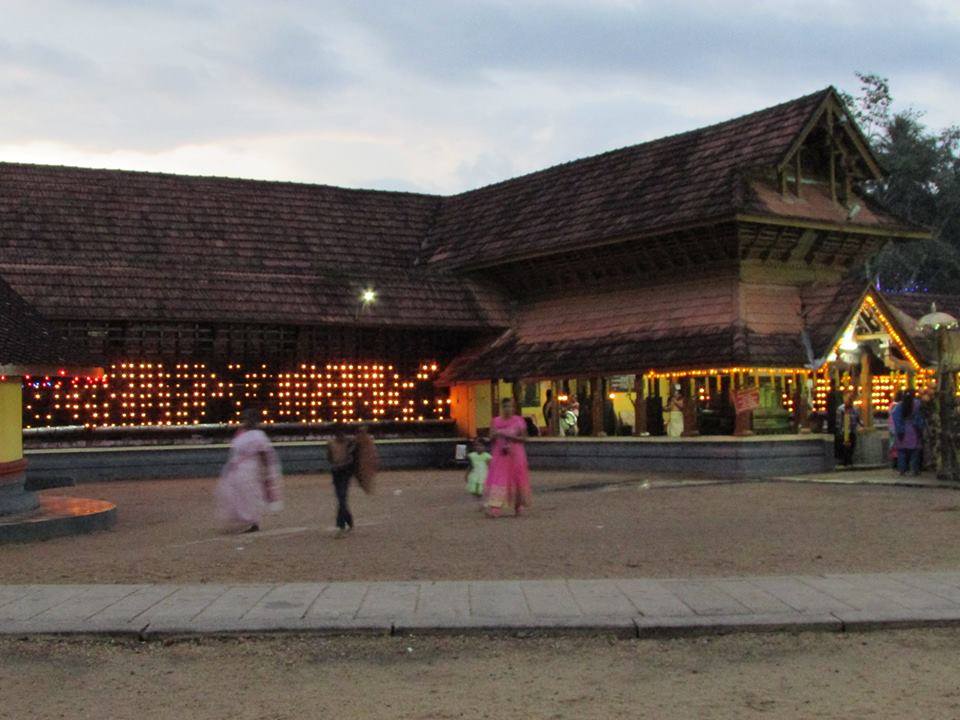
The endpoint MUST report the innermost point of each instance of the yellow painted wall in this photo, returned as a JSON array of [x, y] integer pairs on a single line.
[[11, 419], [470, 407], [483, 412], [623, 408]]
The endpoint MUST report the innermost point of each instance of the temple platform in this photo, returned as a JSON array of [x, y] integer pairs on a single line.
[[58, 515], [756, 456], [708, 456]]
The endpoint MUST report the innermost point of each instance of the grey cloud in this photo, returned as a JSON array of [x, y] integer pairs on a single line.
[[683, 41]]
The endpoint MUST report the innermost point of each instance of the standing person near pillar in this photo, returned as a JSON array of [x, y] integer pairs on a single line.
[[897, 398], [675, 413], [549, 410], [908, 422], [930, 444], [340, 454], [848, 422], [508, 481], [249, 483]]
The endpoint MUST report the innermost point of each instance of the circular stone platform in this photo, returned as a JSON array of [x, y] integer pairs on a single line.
[[58, 515]]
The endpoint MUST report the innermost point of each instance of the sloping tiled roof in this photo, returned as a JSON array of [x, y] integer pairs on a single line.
[[908, 308], [130, 245], [105, 244], [683, 326], [26, 339], [827, 308], [673, 181]]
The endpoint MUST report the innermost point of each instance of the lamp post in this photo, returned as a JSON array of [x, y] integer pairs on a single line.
[[940, 323]]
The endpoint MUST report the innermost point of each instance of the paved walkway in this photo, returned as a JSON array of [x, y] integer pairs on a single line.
[[874, 475], [631, 608]]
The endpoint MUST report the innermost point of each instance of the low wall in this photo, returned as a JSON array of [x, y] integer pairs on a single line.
[[754, 457], [185, 461], [720, 457]]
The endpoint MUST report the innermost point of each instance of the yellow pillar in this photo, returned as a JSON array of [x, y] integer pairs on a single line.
[[11, 419]]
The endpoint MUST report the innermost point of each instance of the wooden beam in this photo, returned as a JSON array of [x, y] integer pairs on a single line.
[[838, 227], [797, 178]]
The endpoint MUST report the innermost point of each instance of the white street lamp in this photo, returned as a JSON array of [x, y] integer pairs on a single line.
[[940, 322]]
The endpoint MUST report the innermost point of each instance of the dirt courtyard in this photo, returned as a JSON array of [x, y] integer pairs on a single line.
[[423, 525], [897, 674]]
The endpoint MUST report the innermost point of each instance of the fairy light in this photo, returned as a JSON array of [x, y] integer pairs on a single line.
[[710, 372], [154, 393]]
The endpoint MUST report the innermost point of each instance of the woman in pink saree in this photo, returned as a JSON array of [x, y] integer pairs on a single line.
[[508, 480], [250, 481]]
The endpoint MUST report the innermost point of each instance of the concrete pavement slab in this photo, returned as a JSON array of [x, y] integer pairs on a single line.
[[550, 598], [338, 600], [799, 595], [854, 596], [38, 600], [10, 593], [92, 600], [444, 600], [128, 608], [234, 603], [626, 607], [934, 583], [498, 599], [755, 599], [900, 593], [651, 598], [287, 601], [600, 598], [389, 600], [183, 605], [705, 597]]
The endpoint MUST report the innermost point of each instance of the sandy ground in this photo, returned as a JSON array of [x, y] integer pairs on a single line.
[[424, 526], [906, 674]]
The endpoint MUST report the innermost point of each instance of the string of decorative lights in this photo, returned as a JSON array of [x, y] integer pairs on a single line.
[[152, 394]]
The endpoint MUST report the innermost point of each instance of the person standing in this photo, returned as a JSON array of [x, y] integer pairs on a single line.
[[340, 454], [249, 483], [848, 421], [479, 466], [930, 441], [891, 428], [549, 410], [508, 482], [675, 413], [908, 423], [570, 419]]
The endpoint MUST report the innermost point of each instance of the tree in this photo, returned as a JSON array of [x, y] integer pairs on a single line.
[[922, 187]]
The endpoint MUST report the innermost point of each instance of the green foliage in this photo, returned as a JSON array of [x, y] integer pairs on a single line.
[[923, 188]]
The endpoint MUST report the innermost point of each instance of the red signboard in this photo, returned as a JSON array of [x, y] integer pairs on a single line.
[[746, 399]]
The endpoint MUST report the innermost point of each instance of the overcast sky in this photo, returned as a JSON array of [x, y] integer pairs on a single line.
[[431, 95]]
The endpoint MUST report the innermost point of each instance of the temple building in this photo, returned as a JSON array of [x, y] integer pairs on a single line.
[[711, 262]]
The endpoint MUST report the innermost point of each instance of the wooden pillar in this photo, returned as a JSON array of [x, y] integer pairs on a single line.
[[596, 410], [866, 385], [743, 421], [494, 398], [554, 423], [639, 405]]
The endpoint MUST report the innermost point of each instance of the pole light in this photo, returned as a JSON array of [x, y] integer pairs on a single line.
[[940, 323]]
